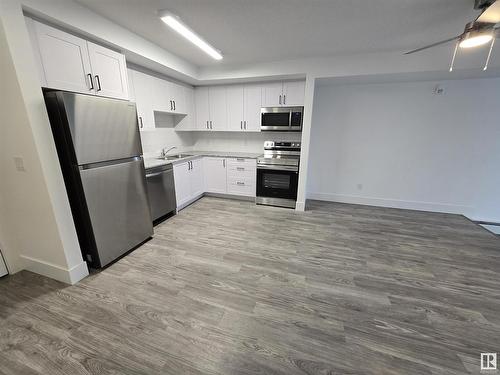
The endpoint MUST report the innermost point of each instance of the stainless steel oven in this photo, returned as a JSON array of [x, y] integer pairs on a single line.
[[285, 119], [278, 174]]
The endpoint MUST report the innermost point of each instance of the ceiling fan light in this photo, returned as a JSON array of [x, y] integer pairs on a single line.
[[476, 40]]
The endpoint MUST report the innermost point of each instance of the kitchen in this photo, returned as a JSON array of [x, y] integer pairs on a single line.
[[174, 181], [169, 207]]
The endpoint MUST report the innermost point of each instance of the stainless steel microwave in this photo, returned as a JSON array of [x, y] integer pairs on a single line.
[[282, 119]]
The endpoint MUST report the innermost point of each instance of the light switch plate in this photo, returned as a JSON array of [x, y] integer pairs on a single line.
[[19, 163]]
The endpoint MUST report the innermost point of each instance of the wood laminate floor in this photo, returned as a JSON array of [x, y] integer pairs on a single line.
[[227, 287]]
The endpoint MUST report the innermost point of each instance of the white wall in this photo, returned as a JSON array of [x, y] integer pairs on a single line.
[[400, 145], [37, 230], [237, 141]]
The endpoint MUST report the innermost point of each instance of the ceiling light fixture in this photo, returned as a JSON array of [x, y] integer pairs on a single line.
[[176, 24], [471, 39]]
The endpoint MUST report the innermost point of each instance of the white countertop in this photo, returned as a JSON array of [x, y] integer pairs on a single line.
[[155, 162]]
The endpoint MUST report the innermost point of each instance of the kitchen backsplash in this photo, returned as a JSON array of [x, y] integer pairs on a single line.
[[238, 141], [165, 136]]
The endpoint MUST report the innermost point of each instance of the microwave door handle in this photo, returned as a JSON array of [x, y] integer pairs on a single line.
[[290, 120]]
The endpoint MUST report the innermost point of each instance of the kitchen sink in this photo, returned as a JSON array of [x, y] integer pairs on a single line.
[[175, 157]]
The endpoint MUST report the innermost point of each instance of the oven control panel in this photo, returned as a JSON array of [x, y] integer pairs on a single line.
[[281, 145]]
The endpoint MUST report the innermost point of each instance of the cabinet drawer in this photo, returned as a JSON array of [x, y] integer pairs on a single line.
[[245, 163], [241, 186], [241, 172]]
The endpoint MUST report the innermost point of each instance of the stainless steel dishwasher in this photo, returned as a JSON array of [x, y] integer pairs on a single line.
[[161, 191]]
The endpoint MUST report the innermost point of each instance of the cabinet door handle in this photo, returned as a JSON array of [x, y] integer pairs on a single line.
[[171, 107], [91, 81], [140, 122], [174, 104], [284, 99], [280, 99], [245, 124], [241, 125], [210, 124], [224, 163], [98, 83], [207, 124]]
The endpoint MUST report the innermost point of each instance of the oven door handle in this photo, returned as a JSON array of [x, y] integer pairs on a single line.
[[278, 167]]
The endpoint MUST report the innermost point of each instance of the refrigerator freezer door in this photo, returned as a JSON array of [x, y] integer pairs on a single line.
[[101, 129], [118, 207]]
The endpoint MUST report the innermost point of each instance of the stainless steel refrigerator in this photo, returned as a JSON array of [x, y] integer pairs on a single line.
[[99, 149]]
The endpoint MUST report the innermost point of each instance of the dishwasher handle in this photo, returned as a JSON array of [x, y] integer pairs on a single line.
[[154, 174]]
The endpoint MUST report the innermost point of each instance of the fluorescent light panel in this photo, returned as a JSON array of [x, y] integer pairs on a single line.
[[174, 22]]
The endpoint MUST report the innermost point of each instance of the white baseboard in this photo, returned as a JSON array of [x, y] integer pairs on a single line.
[[71, 276], [300, 206], [392, 203]]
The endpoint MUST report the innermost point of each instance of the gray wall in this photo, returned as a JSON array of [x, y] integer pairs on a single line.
[[400, 145]]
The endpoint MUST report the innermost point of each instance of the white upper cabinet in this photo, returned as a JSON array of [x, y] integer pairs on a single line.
[[110, 71], [162, 100], [144, 96], [74, 64], [169, 97], [202, 108], [65, 60], [293, 93], [179, 98], [217, 99], [243, 107], [211, 108], [235, 107], [287, 93], [272, 94], [252, 104], [131, 88]]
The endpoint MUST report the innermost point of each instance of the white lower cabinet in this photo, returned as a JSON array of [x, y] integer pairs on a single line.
[[241, 176], [189, 183], [197, 181], [215, 175], [230, 176]]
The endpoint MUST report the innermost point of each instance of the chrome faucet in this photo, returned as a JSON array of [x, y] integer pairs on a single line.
[[163, 153]]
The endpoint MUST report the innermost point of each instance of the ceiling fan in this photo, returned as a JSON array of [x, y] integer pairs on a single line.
[[484, 29]]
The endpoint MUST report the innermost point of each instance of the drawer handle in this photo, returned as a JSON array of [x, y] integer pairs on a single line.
[[240, 159], [240, 183], [240, 168]]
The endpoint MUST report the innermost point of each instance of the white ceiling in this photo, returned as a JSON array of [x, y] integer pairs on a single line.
[[255, 31]]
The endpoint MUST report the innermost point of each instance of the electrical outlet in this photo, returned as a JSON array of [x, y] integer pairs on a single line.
[[19, 163], [438, 90]]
